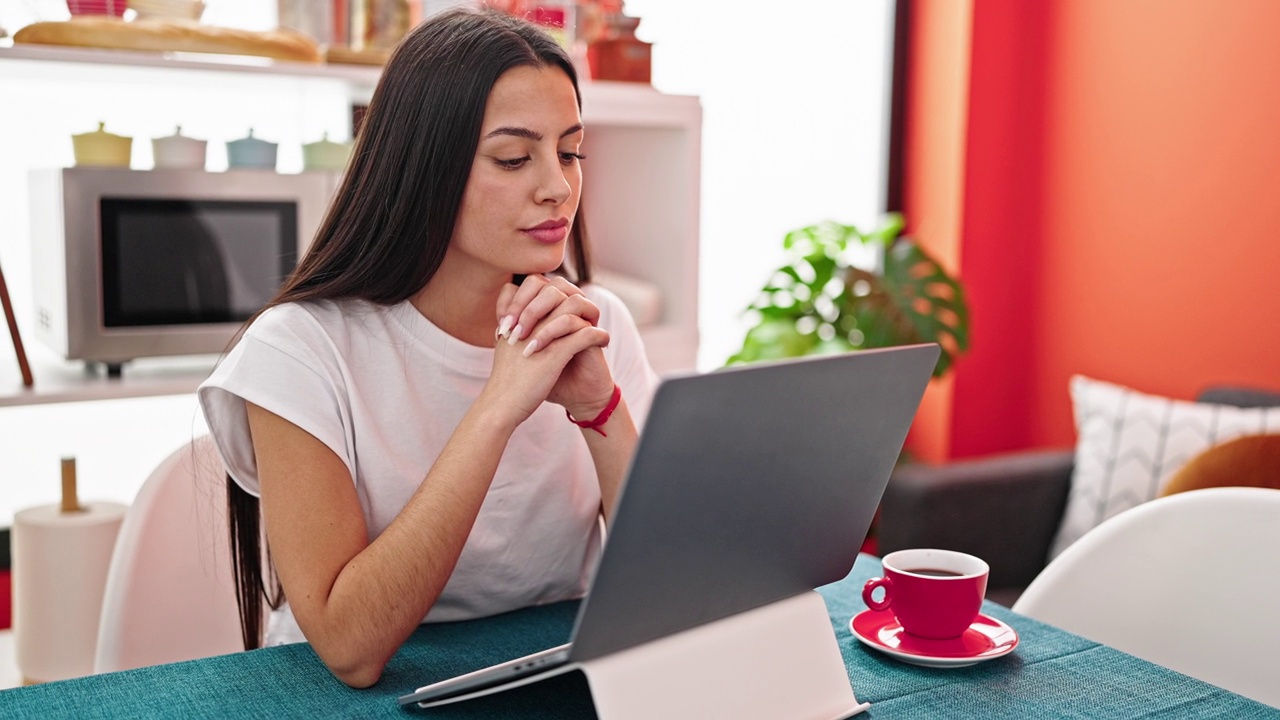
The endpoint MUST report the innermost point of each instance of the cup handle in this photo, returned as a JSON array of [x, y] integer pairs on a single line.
[[870, 587]]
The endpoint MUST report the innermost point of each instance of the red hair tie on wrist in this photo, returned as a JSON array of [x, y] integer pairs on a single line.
[[603, 417]]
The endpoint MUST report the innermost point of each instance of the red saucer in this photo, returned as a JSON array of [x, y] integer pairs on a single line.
[[985, 639]]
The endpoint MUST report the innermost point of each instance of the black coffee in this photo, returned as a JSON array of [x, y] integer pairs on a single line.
[[932, 572]]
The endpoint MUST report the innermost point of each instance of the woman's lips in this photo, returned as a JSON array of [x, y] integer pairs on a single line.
[[550, 232]]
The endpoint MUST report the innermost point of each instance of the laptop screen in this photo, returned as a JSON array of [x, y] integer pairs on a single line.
[[749, 485]]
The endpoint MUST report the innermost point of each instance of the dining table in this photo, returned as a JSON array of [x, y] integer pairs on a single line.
[[1048, 673]]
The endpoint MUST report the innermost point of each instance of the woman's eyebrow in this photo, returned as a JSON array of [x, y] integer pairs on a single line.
[[528, 134]]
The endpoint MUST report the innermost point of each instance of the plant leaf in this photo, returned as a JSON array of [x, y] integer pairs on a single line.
[[912, 299]]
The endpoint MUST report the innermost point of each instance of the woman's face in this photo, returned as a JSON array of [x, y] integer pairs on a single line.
[[522, 194]]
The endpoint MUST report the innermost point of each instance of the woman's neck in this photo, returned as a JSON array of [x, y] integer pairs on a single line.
[[462, 304]]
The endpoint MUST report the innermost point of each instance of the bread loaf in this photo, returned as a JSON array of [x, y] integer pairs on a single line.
[[338, 55], [171, 36]]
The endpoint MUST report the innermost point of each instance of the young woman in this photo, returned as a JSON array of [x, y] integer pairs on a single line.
[[431, 415]]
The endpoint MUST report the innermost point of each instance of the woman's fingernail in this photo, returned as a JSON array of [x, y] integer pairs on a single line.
[[515, 334], [504, 327], [531, 348]]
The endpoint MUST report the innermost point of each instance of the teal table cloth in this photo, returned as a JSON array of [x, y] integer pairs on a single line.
[[1051, 674]]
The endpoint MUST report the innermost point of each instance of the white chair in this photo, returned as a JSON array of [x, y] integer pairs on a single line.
[[170, 594], [1190, 581]]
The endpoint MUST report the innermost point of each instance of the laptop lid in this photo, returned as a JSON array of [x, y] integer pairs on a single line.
[[749, 485]]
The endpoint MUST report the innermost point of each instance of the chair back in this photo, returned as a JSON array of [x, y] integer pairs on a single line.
[[169, 594], [1190, 581]]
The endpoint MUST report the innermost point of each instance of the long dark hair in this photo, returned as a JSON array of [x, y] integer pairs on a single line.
[[386, 231]]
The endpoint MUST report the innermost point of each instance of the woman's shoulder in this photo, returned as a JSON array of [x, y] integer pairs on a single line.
[[606, 299], [322, 327], [323, 335], [325, 315], [619, 297]]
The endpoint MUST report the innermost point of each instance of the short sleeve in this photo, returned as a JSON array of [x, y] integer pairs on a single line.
[[284, 364]]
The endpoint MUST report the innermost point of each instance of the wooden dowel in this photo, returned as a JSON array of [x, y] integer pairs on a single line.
[[69, 501], [23, 365]]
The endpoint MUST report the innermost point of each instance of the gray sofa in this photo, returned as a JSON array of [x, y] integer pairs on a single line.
[[1004, 508]]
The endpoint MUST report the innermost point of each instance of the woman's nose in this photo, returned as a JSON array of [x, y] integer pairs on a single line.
[[553, 186]]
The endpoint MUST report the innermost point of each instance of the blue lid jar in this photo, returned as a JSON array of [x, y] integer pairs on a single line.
[[251, 152]]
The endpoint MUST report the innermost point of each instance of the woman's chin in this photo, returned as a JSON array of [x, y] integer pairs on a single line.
[[541, 268]]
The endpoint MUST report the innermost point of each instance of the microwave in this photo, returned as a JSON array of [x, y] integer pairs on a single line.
[[145, 263]]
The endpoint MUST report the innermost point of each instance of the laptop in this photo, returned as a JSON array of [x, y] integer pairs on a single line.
[[748, 485]]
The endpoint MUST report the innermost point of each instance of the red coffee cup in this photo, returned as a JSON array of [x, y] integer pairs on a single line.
[[933, 593]]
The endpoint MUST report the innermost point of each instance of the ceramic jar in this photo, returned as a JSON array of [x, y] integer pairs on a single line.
[[251, 152], [102, 148], [325, 154], [168, 9], [178, 151]]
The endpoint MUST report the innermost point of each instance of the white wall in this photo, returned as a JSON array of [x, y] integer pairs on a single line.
[[795, 126]]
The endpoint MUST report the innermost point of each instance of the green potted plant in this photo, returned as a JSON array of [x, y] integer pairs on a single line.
[[822, 301]]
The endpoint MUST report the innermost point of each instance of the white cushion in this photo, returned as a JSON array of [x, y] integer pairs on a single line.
[[1129, 444]]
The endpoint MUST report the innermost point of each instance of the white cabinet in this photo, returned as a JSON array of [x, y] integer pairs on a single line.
[[641, 204], [641, 209]]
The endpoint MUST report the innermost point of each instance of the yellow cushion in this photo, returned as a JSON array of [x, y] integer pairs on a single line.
[[1252, 460]]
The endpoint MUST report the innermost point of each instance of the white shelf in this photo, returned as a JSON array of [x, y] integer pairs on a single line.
[[615, 104], [604, 103], [59, 381], [180, 61]]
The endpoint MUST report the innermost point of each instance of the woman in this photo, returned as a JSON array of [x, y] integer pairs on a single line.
[[400, 407]]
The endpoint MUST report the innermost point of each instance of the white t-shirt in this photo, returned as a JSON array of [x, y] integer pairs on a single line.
[[384, 389]]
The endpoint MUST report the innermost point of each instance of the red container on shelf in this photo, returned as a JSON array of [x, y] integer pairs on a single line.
[[97, 7], [557, 19], [6, 600], [619, 55], [549, 16]]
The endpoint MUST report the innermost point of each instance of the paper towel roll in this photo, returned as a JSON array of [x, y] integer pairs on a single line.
[[60, 562]]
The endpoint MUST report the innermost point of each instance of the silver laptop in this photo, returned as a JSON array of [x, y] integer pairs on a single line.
[[749, 485]]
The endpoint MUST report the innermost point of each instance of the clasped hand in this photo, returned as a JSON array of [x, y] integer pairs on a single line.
[[549, 348]]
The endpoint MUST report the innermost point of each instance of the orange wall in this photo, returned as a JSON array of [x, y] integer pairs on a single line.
[[1118, 211], [1161, 223]]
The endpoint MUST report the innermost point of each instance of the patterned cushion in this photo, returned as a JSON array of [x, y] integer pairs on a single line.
[[1129, 444]]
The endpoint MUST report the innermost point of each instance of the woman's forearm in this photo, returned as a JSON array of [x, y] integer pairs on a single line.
[[612, 453], [356, 601]]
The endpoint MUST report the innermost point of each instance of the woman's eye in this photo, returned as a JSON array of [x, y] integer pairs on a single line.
[[568, 158], [513, 163]]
